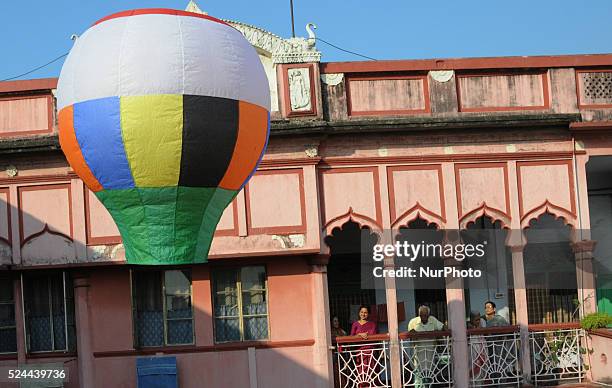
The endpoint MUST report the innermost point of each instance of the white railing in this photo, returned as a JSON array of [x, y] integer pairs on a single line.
[[361, 364], [426, 359], [556, 353], [494, 357]]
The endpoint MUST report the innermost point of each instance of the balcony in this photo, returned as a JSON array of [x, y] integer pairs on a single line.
[[557, 356]]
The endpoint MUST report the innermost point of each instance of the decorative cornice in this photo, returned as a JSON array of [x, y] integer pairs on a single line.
[[292, 50], [39, 178]]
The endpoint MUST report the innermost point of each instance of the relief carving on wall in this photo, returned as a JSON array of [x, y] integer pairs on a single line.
[[299, 89], [332, 79]]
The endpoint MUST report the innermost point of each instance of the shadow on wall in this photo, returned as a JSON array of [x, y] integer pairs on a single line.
[[238, 324]]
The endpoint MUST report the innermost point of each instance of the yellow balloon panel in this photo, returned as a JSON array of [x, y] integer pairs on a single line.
[[152, 130]]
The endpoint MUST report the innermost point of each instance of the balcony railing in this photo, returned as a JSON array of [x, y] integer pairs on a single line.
[[494, 356], [426, 359], [363, 363], [556, 353]]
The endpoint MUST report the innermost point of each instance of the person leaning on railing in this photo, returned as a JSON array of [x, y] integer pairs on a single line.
[[424, 322], [424, 350], [363, 328]]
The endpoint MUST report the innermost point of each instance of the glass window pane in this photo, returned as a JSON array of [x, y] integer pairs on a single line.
[[227, 329], [150, 328], [7, 314], [253, 278], [180, 332], [8, 340], [149, 315], [70, 315], [38, 314], [255, 328], [178, 306], [57, 307], [177, 282], [225, 281], [6, 290], [226, 305], [254, 302]]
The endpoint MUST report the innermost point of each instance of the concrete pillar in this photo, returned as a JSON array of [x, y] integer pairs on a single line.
[[322, 357], [19, 322], [520, 302], [390, 285], [455, 302], [83, 331], [455, 298], [585, 276], [13, 201], [392, 324]]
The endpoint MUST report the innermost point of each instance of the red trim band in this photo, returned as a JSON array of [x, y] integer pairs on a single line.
[[158, 11]]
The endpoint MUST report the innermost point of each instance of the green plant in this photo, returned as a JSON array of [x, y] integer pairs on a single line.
[[596, 321]]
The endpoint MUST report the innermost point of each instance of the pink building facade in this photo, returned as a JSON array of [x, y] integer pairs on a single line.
[[378, 145]]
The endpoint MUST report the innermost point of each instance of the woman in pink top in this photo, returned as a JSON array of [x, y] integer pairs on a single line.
[[363, 327], [363, 357]]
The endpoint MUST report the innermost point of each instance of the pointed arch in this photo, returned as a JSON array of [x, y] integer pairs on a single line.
[[485, 210], [415, 212], [351, 215], [44, 230], [558, 212]]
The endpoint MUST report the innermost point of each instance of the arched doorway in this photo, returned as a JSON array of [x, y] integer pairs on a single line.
[[344, 272], [550, 272], [427, 292], [496, 284]]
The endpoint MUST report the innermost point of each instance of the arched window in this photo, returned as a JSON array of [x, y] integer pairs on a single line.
[[550, 272]]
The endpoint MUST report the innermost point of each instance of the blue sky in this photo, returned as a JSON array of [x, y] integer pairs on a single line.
[[36, 31]]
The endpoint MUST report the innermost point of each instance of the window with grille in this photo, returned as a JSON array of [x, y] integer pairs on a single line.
[[596, 87], [49, 312], [241, 304], [8, 332], [163, 313]]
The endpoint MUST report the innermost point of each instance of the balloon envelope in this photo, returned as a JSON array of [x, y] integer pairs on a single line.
[[164, 115]]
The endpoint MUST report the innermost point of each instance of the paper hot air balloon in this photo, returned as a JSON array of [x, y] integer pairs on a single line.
[[164, 115]]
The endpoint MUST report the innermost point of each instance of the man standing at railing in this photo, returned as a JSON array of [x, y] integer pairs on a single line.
[[424, 322], [424, 350]]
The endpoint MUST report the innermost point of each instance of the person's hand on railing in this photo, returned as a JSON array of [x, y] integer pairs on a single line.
[[363, 335]]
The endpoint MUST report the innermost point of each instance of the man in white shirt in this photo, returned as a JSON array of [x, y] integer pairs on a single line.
[[424, 349], [424, 322]]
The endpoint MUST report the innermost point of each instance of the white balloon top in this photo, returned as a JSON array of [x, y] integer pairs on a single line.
[[160, 51]]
